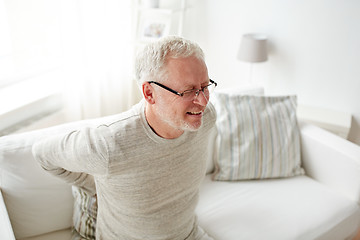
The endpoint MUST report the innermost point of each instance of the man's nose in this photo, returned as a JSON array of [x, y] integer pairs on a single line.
[[201, 99]]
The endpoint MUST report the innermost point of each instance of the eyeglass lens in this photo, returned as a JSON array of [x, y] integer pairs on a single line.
[[191, 95]]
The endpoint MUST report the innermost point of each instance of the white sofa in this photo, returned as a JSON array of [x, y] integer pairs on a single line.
[[322, 204]]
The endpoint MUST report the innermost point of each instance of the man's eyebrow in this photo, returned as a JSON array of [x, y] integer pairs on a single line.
[[203, 84]]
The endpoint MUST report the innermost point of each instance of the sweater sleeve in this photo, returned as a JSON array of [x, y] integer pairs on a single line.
[[75, 157]]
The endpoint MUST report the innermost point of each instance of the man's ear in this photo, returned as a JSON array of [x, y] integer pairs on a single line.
[[148, 93]]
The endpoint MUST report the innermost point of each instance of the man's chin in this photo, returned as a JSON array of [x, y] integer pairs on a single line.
[[192, 127]]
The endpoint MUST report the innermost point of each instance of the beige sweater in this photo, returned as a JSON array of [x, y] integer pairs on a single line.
[[147, 186]]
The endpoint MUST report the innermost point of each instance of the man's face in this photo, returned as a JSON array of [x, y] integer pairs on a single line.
[[183, 74]]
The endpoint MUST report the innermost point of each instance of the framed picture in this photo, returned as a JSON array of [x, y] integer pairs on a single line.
[[153, 24]]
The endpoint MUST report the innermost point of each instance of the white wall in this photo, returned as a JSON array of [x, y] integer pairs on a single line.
[[314, 48]]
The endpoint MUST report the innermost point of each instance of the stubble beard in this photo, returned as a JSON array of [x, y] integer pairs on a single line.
[[179, 124]]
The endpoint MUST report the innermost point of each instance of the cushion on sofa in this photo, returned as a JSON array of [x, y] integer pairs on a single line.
[[258, 137], [245, 90], [64, 234], [275, 209], [85, 212]]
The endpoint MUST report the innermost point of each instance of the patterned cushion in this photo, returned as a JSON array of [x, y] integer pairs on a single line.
[[258, 137], [84, 216]]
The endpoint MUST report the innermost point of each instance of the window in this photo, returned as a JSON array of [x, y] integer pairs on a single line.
[[30, 61]]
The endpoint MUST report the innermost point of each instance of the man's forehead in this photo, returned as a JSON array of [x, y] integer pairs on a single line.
[[187, 63], [186, 70]]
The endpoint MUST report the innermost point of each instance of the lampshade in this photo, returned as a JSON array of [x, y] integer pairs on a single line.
[[253, 48]]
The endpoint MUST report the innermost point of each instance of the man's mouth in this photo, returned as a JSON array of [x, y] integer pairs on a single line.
[[195, 113]]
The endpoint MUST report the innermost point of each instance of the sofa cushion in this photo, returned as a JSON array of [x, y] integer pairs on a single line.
[[65, 234], [258, 137], [250, 90], [279, 209], [85, 212]]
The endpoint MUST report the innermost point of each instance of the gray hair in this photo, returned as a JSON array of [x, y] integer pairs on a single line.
[[150, 64]]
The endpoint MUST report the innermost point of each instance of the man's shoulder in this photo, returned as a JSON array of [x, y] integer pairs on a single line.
[[130, 116]]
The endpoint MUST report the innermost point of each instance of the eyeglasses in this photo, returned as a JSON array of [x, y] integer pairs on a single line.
[[190, 95]]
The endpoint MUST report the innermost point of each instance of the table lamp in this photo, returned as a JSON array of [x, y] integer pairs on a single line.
[[253, 49]]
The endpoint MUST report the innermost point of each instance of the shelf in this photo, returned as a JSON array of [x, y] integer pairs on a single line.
[[153, 23]]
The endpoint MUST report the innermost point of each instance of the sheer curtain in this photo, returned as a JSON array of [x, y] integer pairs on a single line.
[[97, 37]]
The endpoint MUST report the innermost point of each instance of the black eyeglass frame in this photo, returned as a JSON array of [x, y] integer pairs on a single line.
[[181, 94]]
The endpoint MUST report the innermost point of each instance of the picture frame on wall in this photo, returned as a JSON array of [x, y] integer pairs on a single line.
[[154, 24]]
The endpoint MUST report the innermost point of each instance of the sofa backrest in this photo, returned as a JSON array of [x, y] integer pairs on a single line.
[[36, 202]]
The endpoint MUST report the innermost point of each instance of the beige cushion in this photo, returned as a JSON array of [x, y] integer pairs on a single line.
[[85, 212], [258, 137]]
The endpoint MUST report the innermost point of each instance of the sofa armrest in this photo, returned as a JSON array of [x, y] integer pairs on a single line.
[[6, 231], [331, 160]]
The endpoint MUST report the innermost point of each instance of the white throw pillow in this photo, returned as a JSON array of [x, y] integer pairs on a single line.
[[258, 137]]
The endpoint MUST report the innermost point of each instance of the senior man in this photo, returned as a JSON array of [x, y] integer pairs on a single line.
[[146, 167]]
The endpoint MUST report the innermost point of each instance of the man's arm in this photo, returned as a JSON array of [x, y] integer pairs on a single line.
[[75, 157]]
